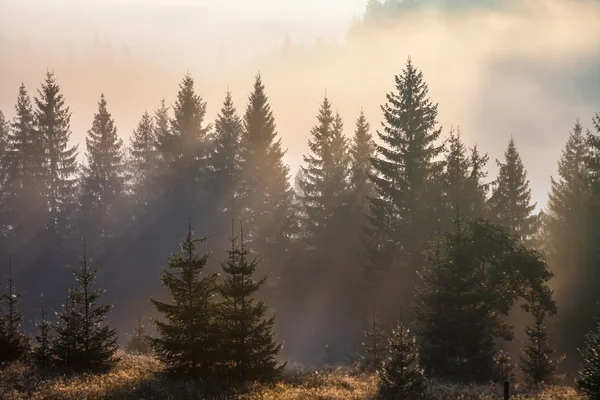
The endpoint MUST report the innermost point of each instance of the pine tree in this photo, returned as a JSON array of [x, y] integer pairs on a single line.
[[137, 342], [143, 162], [264, 187], [510, 203], [401, 377], [25, 206], [588, 382], [84, 341], [249, 345], [13, 342], [42, 353], [188, 340], [225, 157], [401, 219], [103, 181], [374, 345], [53, 120], [538, 362]]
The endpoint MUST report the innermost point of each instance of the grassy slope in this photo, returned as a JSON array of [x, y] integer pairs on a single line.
[[139, 378]]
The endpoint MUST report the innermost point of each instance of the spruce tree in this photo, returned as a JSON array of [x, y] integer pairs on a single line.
[[84, 340], [249, 346], [567, 229], [401, 377], [361, 151], [462, 181], [401, 219], [4, 170], [143, 162], [324, 185], [42, 352], [66, 343], [103, 180], [137, 341], [225, 158], [13, 342], [264, 187], [188, 338], [184, 147], [25, 205], [53, 119], [510, 203], [374, 346], [538, 362], [588, 382], [161, 124]]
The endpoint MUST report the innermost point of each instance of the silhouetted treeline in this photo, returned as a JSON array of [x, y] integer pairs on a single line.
[[361, 233]]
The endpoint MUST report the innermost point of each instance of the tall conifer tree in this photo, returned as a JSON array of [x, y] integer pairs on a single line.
[[103, 180], [402, 218], [143, 162], [361, 151], [188, 338], [225, 158], [264, 188], [510, 203], [25, 203], [4, 170], [567, 228], [53, 119]]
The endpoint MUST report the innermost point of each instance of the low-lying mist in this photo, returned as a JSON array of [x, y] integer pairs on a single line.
[[527, 69]]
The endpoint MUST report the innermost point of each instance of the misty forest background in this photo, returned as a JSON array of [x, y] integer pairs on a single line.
[[354, 233]]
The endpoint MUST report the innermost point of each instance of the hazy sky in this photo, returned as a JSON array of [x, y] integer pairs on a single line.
[[527, 70]]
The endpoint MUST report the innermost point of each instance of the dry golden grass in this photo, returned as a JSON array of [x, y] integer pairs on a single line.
[[138, 377]]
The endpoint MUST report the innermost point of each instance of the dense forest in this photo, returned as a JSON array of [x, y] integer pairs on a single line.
[[204, 240]]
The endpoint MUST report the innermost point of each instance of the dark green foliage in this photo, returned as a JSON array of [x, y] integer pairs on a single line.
[[474, 275], [188, 338], [103, 180], [247, 333], [538, 362], [42, 353], [362, 149], [323, 184], [225, 158], [401, 378], [143, 163], [588, 382], [401, 220], [374, 346], [510, 204], [138, 341], [264, 188], [84, 341], [462, 181], [503, 368], [13, 342], [53, 121], [184, 147], [25, 206], [567, 230]]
